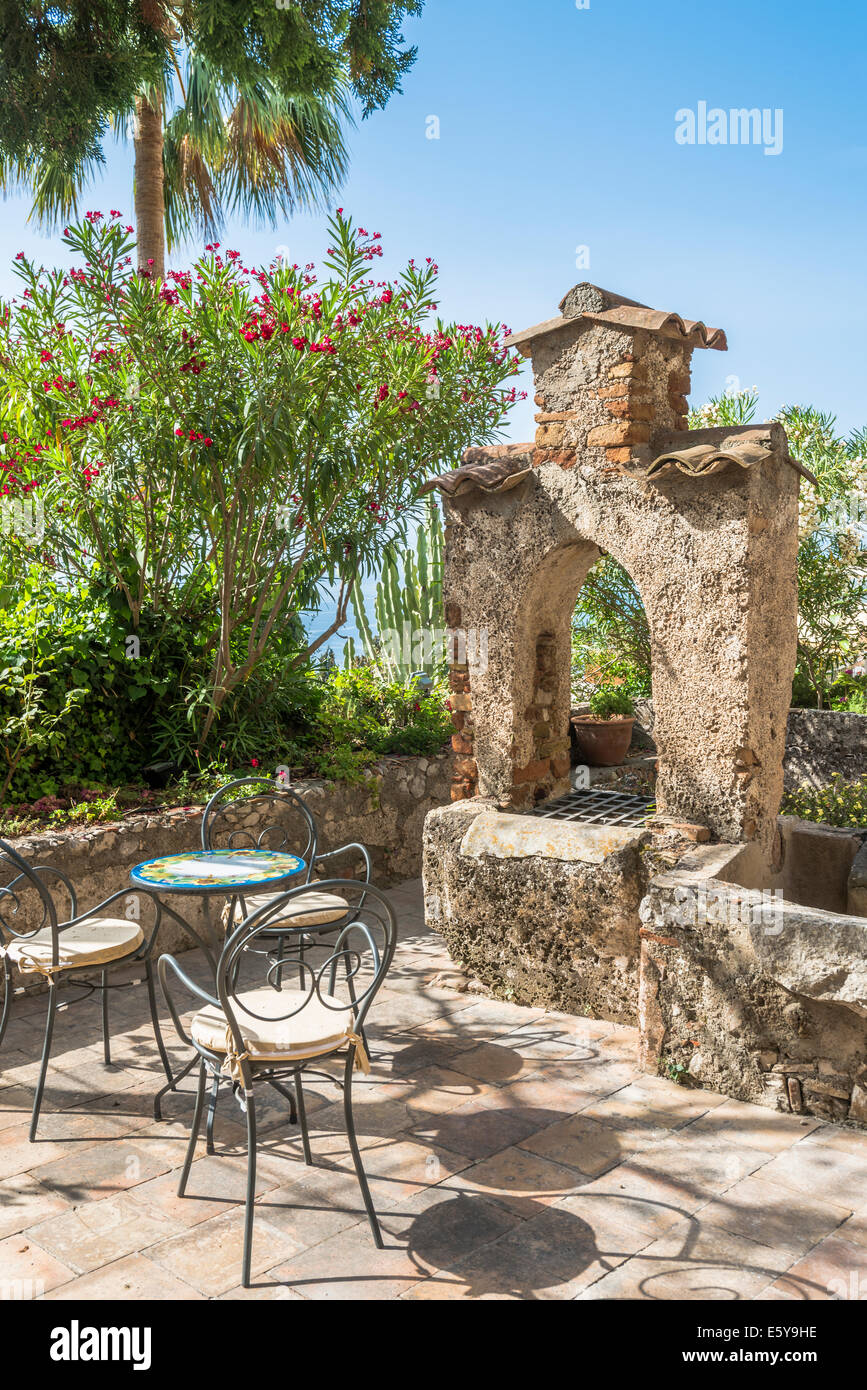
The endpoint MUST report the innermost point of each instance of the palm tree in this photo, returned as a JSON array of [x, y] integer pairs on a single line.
[[223, 148], [226, 118]]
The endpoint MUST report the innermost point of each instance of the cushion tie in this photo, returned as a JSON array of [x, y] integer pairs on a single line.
[[231, 1066], [32, 964], [362, 1061]]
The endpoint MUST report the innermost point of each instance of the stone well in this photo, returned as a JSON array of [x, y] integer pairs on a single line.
[[706, 524]]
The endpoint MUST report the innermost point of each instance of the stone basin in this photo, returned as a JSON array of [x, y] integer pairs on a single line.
[[756, 980]]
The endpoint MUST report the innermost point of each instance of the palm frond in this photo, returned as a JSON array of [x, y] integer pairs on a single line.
[[283, 153], [194, 147], [54, 183], [192, 198]]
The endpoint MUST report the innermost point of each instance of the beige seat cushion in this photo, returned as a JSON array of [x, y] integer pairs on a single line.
[[311, 909], [316, 1028], [93, 941]]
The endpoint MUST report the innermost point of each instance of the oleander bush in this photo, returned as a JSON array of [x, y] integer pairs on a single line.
[[188, 469]]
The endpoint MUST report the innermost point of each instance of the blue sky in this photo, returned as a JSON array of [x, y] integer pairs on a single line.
[[557, 130]]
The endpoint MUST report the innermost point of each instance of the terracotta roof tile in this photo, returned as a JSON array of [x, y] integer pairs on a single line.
[[697, 452], [704, 458], [494, 468], [596, 305]]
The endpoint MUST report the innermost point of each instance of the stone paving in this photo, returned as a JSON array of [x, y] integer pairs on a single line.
[[512, 1153]]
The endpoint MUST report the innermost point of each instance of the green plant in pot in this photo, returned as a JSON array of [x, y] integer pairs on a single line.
[[605, 733]]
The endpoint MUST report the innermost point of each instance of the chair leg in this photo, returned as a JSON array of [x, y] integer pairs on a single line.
[[281, 951], [170, 1086], [302, 968], [212, 1113], [251, 1191], [7, 998], [293, 1108], [194, 1130], [302, 1119], [155, 1023], [356, 1156], [46, 1053], [106, 1042]]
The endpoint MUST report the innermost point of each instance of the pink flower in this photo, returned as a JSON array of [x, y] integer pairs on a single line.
[[254, 762]]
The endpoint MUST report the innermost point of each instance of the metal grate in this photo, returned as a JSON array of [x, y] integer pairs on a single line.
[[596, 807]]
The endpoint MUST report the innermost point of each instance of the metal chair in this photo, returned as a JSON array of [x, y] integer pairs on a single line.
[[54, 947], [270, 1034], [268, 816], [281, 820]]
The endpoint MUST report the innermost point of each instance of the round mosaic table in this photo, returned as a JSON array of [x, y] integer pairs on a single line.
[[229, 872], [232, 872]]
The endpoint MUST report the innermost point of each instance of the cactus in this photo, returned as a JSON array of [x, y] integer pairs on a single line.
[[411, 609]]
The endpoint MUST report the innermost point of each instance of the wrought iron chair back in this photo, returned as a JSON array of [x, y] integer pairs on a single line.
[[28, 909], [263, 816], [18, 906], [362, 949]]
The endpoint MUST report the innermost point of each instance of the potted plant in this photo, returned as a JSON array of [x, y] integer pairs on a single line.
[[605, 733]]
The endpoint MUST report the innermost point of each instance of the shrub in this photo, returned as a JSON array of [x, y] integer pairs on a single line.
[[209, 455], [611, 702], [842, 803]]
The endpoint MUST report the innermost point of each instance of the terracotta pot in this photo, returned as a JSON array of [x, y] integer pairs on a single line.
[[603, 742]]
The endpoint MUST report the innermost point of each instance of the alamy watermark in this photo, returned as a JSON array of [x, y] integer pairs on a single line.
[[420, 647], [23, 517], [736, 126], [77, 1343], [727, 906]]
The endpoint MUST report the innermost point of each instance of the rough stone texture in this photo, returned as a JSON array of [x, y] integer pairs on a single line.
[[386, 814], [763, 997], [856, 896], [820, 742], [557, 932], [713, 558], [503, 836]]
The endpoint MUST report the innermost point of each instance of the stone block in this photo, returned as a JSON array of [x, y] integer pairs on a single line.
[[625, 432], [550, 436], [634, 371], [630, 409]]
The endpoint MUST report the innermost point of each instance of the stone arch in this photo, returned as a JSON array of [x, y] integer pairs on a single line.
[[705, 556], [704, 521], [543, 656]]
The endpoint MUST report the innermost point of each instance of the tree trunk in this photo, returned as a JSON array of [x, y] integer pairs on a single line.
[[150, 211]]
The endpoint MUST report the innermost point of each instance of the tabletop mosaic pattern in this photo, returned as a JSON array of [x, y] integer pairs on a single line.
[[231, 868]]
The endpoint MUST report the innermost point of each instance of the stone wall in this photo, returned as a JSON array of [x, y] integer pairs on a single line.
[[756, 985], [386, 814], [820, 742], [532, 913]]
